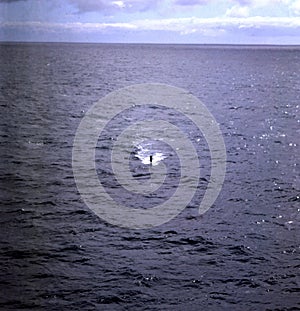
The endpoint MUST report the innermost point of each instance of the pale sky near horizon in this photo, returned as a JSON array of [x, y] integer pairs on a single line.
[[152, 21]]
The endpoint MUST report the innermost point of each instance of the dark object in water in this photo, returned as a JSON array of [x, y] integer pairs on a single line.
[[151, 159]]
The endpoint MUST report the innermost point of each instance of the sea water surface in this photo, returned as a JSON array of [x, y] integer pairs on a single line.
[[242, 254]]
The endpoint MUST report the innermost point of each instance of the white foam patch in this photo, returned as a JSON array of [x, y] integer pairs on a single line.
[[144, 154]]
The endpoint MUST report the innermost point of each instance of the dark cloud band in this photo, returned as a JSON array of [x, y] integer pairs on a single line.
[[108, 6]]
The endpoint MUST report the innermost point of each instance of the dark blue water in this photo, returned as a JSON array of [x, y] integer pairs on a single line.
[[242, 254]]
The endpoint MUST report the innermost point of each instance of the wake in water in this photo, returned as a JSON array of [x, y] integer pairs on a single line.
[[144, 151]]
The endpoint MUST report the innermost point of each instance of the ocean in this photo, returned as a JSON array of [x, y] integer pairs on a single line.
[[243, 253]]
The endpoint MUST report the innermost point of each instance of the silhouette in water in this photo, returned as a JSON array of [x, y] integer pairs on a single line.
[[151, 159]]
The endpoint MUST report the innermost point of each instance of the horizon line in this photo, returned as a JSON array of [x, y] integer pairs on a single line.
[[151, 43]]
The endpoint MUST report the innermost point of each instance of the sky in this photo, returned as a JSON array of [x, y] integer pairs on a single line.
[[152, 21]]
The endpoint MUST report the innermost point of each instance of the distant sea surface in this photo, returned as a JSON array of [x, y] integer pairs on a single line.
[[242, 254]]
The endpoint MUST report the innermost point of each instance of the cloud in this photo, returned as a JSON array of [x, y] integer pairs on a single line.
[[261, 3], [182, 26], [10, 1], [185, 25], [256, 30], [245, 2], [190, 2], [238, 11], [295, 7], [244, 8], [113, 5]]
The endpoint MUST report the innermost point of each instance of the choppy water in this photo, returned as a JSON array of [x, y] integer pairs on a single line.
[[243, 254]]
